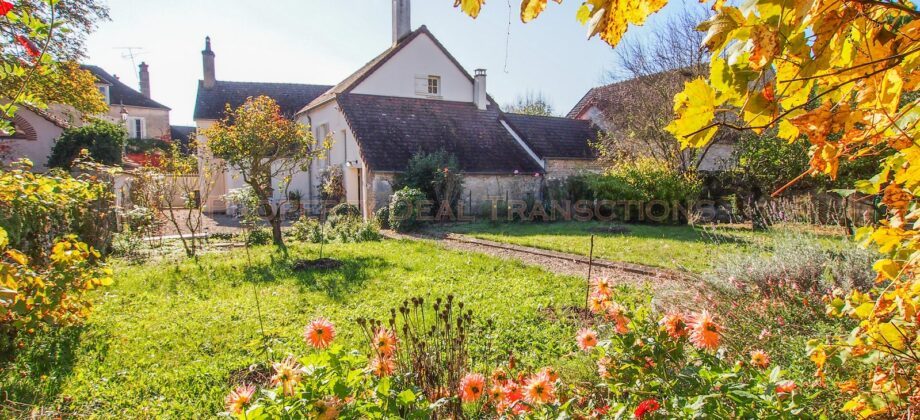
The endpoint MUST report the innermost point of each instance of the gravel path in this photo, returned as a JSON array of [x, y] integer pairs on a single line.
[[672, 289]]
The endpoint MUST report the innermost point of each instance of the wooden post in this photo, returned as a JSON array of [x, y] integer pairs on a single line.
[[590, 266]]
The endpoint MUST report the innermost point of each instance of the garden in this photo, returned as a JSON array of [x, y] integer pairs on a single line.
[[794, 313]]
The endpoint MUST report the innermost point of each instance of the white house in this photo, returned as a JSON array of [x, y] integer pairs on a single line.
[[413, 97]]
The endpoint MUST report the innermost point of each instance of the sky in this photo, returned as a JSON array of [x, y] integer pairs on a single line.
[[323, 41]]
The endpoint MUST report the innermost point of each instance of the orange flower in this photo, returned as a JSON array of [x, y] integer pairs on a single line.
[[385, 342], [539, 390], [320, 333], [239, 398], [704, 332], [471, 387], [587, 338], [327, 409], [615, 314], [675, 324], [602, 287], [382, 366], [287, 375], [785, 387], [496, 394], [598, 303], [499, 376], [550, 373], [760, 359]]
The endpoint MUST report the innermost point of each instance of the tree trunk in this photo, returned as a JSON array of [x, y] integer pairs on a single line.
[[276, 230]]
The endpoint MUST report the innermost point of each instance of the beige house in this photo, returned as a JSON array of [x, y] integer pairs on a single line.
[[415, 96]]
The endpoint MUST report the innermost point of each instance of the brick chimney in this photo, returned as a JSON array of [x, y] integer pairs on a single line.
[[480, 97], [144, 77], [402, 24], [207, 60]]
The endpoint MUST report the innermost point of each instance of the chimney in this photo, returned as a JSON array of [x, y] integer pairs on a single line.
[[402, 24], [480, 97], [207, 60], [144, 77]]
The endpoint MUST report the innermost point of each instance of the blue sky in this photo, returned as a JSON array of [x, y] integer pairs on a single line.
[[323, 41]]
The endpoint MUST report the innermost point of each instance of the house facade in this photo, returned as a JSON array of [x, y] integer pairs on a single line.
[[143, 118], [413, 97]]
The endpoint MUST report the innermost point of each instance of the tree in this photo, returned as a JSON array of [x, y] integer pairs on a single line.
[[531, 104], [636, 109], [104, 140], [266, 148], [842, 74], [38, 66]]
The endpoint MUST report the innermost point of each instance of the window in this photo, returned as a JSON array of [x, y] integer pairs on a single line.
[[137, 128], [428, 85], [104, 90], [321, 133]]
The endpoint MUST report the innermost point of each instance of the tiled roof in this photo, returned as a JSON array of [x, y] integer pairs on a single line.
[[291, 97], [615, 92], [120, 93], [555, 137], [390, 130]]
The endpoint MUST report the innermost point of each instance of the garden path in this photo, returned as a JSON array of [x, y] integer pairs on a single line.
[[670, 288]]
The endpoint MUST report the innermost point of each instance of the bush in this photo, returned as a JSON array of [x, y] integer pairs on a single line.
[[105, 142], [404, 209], [259, 237], [383, 217], [437, 175], [336, 228], [345, 209], [332, 185], [307, 229]]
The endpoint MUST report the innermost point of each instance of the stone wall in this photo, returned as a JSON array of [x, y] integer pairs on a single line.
[[479, 190], [564, 168]]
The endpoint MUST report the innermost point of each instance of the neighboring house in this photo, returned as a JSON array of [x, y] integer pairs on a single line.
[[413, 97], [143, 118], [602, 106], [35, 132]]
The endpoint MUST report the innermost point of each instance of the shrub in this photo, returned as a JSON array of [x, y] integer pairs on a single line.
[[246, 202], [332, 185], [105, 142], [383, 217], [307, 229], [437, 175], [259, 236], [345, 209], [405, 209]]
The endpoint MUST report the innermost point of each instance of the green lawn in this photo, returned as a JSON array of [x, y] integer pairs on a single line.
[[164, 339], [677, 247]]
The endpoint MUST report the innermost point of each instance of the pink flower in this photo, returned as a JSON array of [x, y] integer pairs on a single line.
[[320, 333], [587, 338], [472, 386]]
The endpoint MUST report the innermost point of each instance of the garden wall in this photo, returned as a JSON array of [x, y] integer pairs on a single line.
[[478, 189]]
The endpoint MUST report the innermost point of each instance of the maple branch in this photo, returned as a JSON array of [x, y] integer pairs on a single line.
[[898, 6], [868, 63], [789, 184]]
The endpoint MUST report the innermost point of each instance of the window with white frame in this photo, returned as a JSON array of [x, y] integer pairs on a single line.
[[322, 131], [104, 90], [137, 127], [429, 85]]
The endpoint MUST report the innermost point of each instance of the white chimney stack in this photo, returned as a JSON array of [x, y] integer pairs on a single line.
[[144, 77], [480, 97], [207, 60], [402, 24]]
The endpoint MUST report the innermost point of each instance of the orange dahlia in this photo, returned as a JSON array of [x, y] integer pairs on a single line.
[[287, 375], [382, 366], [472, 386], [675, 324], [760, 359], [539, 390], [615, 313], [239, 398], [704, 332], [587, 338], [385, 342], [320, 333], [603, 286]]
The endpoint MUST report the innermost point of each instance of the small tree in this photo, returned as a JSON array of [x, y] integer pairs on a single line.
[[266, 148], [531, 104], [105, 142], [436, 174]]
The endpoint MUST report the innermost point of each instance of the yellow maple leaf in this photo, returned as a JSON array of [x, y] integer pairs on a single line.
[[470, 7], [720, 26], [695, 109], [889, 93], [530, 9], [766, 46]]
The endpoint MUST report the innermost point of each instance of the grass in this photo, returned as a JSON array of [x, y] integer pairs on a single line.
[[165, 338], [685, 247]]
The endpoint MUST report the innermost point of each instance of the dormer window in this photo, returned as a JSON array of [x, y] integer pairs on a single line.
[[104, 90], [429, 85]]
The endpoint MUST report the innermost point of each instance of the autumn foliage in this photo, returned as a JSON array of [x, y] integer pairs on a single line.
[[843, 76]]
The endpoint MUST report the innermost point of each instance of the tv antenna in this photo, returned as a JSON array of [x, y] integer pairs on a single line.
[[132, 53]]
